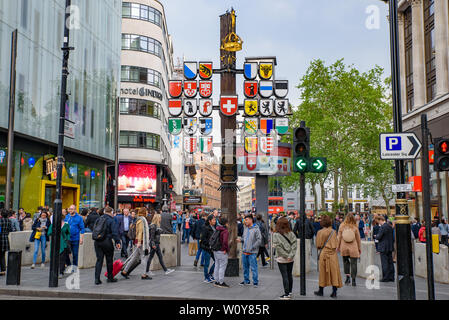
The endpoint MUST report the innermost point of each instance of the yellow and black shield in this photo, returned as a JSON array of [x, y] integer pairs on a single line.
[[251, 107], [251, 144], [265, 70]]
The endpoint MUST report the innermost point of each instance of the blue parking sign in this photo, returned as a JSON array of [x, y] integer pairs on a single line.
[[394, 143]]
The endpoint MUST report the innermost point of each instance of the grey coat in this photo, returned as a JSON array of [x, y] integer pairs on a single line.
[[285, 249], [251, 239]]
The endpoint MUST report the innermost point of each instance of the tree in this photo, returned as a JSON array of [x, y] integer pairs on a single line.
[[345, 109]]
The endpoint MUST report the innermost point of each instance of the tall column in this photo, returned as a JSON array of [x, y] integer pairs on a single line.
[[441, 47], [401, 37], [419, 61]]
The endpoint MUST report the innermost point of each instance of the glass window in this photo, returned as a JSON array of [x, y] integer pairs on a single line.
[[429, 44], [141, 12], [130, 139]]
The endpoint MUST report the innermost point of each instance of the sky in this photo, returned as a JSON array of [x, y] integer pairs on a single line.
[[295, 31]]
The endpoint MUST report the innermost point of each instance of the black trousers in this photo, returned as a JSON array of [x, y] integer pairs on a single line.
[[444, 240], [287, 278], [102, 249], [159, 255], [386, 258], [350, 266], [62, 260], [2, 261], [263, 252], [125, 242]]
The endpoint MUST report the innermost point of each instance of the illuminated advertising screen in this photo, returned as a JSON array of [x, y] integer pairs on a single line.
[[137, 179]]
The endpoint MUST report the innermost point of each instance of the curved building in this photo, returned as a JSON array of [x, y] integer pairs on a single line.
[[145, 175]]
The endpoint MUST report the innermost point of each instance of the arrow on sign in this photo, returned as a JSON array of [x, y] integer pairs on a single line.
[[301, 164], [415, 144], [318, 164]]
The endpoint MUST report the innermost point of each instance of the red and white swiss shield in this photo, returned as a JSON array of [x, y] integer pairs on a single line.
[[175, 88], [251, 162], [229, 105], [205, 88], [190, 88]]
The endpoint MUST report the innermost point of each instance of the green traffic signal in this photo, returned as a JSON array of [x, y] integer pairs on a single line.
[[317, 165], [300, 164]]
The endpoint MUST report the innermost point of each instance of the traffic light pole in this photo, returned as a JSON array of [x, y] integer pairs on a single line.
[[405, 279], [426, 206], [302, 249]]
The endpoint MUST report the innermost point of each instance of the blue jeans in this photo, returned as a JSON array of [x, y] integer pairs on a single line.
[[174, 228], [208, 273], [250, 261], [74, 246], [186, 235], [39, 243], [198, 253]]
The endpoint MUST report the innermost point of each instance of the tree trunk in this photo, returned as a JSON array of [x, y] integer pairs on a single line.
[[315, 199], [323, 195], [387, 203], [335, 203]]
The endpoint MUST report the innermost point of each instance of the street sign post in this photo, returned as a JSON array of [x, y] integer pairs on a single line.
[[399, 146]]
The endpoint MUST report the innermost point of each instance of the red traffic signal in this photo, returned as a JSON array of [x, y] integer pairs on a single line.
[[443, 147], [441, 157]]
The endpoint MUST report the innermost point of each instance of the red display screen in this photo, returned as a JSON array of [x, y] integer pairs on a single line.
[[137, 179]]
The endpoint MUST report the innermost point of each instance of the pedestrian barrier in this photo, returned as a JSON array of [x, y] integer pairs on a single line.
[[367, 258], [19, 240], [440, 263], [169, 249]]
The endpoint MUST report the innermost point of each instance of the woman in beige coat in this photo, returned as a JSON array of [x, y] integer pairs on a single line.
[[350, 247], [329, 268]]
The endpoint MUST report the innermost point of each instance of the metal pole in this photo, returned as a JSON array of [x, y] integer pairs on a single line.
[[405, 279], [302, 206], [12, 102], [426, 206], [116, 164], [55, 243]]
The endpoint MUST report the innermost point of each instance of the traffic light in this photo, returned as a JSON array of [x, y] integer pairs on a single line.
[[301, 148], [441, 157], [317, 165]]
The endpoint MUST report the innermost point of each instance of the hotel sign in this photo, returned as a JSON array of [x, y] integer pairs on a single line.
[[142, 92]]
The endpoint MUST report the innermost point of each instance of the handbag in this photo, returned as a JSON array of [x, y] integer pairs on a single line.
[[319, 251], [38, 235]]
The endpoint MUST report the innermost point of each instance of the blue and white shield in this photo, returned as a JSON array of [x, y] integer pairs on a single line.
[[190, 70], [266, 88], [190, 125], [250, 70], [206, 126]]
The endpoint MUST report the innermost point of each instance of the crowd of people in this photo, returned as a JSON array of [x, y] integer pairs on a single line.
[[136, 233]]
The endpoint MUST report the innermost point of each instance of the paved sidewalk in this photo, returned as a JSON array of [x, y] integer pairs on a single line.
[[187, 283]]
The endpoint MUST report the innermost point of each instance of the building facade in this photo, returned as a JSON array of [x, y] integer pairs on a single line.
[[145, 174], [424, 65], [245, 194], [93, 82]]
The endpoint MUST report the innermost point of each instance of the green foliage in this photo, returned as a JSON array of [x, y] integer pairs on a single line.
[[346, 110]]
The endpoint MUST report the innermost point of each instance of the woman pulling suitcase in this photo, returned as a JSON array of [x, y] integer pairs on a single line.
[[142, 244]]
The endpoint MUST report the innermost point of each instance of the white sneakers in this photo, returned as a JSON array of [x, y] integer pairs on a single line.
[[169, 271], [33, 266], [42, 265]]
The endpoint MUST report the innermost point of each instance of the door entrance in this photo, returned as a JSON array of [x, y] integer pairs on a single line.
[[70, 194]]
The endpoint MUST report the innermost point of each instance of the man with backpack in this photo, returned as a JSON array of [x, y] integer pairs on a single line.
[[196, 235], [206, 234], [105, 229]]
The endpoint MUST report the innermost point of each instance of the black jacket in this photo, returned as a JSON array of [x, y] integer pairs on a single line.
[[90, 220], [111, 229], [206, 233], [196, 229], [166, 223], [155, 235], [385, 237], [263, 232], [298, 229]]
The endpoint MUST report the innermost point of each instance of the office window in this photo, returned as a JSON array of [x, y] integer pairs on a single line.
[[141, 75], [141, 12], [143, 140], [408, 39], [141, 43], [429, 45]]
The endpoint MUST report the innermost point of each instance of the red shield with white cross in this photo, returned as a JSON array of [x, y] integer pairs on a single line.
[[229, 105], [190, 88], [175, 88], [251, 162], [205, 88], [251, 88]]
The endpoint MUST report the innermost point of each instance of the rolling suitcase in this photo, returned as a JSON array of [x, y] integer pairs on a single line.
[[116, 267]]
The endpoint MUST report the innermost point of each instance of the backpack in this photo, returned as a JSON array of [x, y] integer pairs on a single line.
[[214, 241], [348, 235], [99, 231], [132, 231]]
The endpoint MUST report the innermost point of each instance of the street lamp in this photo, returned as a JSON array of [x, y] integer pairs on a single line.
[[405, 280]]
